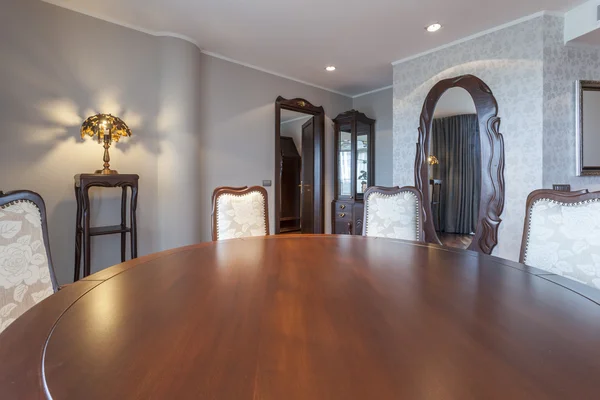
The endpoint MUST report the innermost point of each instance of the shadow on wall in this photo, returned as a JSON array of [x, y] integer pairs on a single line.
[[50, 81]]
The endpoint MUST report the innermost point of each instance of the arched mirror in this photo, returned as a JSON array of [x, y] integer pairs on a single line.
[[459, 167]]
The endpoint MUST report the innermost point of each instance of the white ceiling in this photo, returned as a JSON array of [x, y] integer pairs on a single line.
[[297, 39]]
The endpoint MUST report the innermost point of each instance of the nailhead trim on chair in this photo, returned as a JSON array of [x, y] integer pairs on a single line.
[[390, 196], [239, 195], [530, 215], [17, 202]]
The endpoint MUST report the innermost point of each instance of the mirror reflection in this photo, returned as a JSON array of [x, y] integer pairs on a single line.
[[588, 133], [296, 171], [454, 160], [362, 163], [345, 161]]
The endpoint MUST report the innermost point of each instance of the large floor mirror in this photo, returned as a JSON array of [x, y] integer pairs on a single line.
[[299, 161], [459, 166]]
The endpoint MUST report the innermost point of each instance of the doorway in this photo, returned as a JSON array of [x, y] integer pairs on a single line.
[[299, 160]]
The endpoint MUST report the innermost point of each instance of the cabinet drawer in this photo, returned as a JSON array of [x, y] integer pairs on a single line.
[[342, 226], [343, 215], [343, 208]]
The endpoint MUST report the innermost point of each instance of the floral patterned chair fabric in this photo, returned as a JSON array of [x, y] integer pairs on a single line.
[[26, 273], [562, 234], [394, 213], [240, 212]]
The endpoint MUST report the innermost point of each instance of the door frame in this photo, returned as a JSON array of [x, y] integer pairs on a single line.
[[303, 106]]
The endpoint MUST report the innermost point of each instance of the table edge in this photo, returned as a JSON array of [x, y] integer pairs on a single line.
[[96, 280]]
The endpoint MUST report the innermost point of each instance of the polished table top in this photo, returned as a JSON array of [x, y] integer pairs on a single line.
[[308, 317]]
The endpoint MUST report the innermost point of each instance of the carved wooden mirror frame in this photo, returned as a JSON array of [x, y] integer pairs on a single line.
[[492, 160], [305, 107]]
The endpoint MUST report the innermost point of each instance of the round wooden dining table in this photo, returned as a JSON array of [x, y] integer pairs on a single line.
[[308, 317]]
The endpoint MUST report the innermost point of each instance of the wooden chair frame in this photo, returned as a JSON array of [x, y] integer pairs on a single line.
[[394, 191], [237, 191], [553, 195], [27, 195]]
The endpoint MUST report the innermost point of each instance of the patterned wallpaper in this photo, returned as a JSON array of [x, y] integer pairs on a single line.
[[510, 61], [562, 67]]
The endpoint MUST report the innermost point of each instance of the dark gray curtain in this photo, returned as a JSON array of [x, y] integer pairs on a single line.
[[456, 144]]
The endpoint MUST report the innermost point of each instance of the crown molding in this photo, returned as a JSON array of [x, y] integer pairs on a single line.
[[187, 39], [123, 24], [373, 91], [231, 60], [267, 71], [479, 34]]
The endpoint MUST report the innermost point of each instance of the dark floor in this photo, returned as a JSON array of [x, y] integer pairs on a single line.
[[456, 241]]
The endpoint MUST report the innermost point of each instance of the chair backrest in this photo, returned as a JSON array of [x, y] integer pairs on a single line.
[[26, 273], [395, 213], [562, 234], [239, 212]]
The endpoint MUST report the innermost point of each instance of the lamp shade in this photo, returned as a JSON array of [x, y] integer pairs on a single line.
[[102, 124], [107, 129]]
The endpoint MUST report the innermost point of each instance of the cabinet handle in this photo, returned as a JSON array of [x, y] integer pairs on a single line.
[[343, 206], [349, 228], [342, 215]]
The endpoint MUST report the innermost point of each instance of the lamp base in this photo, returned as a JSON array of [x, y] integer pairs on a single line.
[[106, 172]]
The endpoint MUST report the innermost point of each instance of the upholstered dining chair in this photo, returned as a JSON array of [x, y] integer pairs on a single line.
[[26, 273], [562, 234], [395, 213], [239, 212]]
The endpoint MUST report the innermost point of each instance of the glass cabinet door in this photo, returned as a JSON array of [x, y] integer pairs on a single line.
[[345, 161], [362, 157]]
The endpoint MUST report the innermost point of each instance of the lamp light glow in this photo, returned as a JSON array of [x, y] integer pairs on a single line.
[[107, 129]]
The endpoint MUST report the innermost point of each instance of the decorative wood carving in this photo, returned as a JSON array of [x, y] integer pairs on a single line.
[[492, 160], [300, 105]]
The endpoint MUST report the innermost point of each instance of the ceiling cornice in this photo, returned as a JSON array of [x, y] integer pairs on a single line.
[[123, 24], [231, 60], [222, 57], [188, 39], [479, 34], [373, 91]]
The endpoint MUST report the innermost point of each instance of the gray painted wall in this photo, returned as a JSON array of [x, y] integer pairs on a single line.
[[198, 122], [178, 168], [378, 106], [57, 68], [237, 129]]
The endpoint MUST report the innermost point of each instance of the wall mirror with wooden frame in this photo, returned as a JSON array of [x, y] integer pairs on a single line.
[[587, 104], [459, 166], [299, 164]]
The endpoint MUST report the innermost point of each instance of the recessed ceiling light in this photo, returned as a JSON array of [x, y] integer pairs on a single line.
[[434, 27], [330, 68]]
